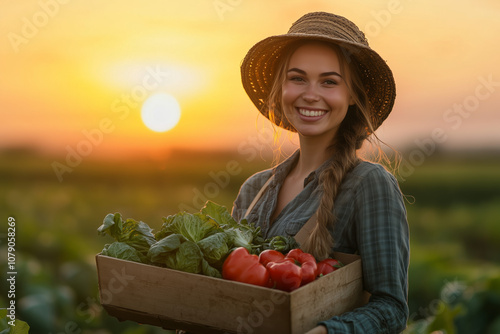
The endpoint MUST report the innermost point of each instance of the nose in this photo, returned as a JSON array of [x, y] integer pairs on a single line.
[[310, 94]]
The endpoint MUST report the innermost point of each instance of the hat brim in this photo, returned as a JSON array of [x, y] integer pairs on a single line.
[[260, 65]]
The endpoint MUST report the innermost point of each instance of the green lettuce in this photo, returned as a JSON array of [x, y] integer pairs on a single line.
[[121, 250], [176, 252], [220, 214], [161, 250], [242, 234], [196, 243], [136, 234], [241, 237], [193, 227], [208, 270], [215, 248], [206, 236], [186, 258]]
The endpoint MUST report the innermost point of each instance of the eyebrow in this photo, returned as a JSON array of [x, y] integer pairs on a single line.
[[325, 74]]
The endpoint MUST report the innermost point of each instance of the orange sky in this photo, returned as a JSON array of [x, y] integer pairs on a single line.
[[67, 66]]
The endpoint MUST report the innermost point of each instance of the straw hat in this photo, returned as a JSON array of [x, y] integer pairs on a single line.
[[261, 63]]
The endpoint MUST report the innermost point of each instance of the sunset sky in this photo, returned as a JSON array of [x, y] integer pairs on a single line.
[[70, 67]]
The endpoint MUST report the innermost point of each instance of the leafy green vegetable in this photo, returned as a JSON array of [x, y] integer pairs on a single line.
[[186, 258], [160, 251], [136, 234], [215, 247], [193, 227], [241, 237], [205, 234], [196, 243], [220, 214], [176, 252], [282, 244], [123, 251], [208, 270], [241, 234]]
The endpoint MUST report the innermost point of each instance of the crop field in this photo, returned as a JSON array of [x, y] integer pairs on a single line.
[[453, 205]]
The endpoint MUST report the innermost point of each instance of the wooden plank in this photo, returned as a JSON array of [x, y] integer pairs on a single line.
[[345, 258], [190, 298], [201, 304], [332, 295], [123, 314]]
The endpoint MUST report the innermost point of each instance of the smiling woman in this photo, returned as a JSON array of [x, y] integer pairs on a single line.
[[161, 112]]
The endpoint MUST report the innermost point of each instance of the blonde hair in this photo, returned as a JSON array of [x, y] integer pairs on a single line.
[[356, 127]]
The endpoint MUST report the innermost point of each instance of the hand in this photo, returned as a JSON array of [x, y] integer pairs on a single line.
[[318, 330]]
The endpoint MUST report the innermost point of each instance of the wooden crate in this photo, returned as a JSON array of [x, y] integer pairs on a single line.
[[200, 304]]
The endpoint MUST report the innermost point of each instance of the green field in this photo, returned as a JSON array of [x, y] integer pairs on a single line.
[[453, 211]]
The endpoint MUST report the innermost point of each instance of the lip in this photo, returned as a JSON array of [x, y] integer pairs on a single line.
[[311, 110]]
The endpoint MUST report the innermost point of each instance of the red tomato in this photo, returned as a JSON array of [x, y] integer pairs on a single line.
[[291, 271], [244, 267], [327, 266], [307, 263], [285, 275], [270, 255]]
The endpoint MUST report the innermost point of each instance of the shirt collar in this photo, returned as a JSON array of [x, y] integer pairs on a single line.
[[282, 170]]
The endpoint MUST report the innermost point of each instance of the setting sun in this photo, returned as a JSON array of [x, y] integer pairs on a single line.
[[62, 76], [161, 112]]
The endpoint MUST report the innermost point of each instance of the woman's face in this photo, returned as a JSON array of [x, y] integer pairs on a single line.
[[315, 97]]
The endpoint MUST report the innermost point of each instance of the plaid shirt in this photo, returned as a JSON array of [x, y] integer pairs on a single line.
[[371, 220]]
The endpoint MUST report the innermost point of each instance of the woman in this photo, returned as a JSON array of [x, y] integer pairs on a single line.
[[324, 82]]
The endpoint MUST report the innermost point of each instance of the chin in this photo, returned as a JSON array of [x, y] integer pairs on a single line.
[[314, 134]]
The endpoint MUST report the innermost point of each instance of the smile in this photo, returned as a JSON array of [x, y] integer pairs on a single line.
[[311, 113]]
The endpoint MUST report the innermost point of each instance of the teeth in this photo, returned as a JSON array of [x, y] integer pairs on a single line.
[[311, 113]]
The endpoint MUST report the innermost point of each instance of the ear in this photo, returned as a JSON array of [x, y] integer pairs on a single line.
[[351, 100]]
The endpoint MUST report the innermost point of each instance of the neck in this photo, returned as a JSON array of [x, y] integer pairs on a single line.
[[313, 153]]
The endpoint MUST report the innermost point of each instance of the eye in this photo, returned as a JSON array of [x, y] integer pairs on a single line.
[[296, 78], [330, 82]]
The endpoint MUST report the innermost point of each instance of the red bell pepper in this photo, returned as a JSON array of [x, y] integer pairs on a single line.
[[271, 268], [291, 271], [244, 267], [286, 275], [307, 264], [270, 255], [328, 265]]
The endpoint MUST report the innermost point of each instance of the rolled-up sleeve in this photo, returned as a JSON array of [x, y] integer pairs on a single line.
[[382, 237]]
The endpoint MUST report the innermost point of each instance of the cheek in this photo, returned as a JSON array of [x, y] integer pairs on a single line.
[[289, 93], [341, 99], [348, 97]]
